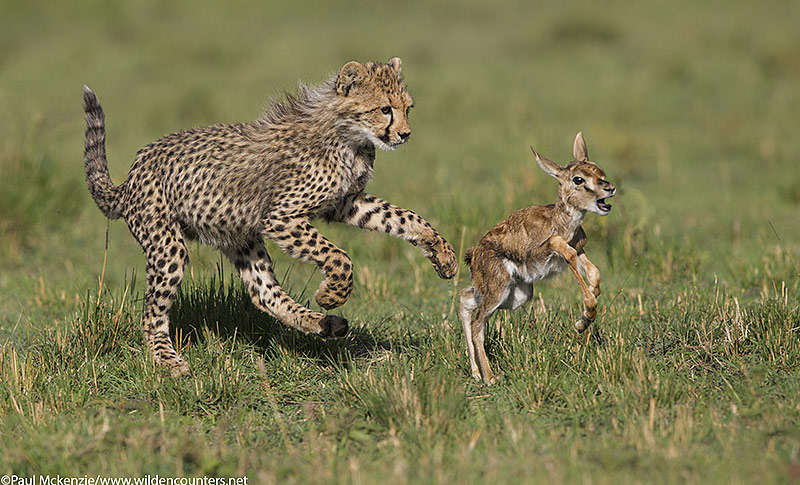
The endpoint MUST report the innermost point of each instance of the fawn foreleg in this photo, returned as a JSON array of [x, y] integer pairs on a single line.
[[562, 248], [592, 273]]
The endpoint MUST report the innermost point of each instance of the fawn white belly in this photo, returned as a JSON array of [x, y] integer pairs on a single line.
[[520, 288], [516, 294]]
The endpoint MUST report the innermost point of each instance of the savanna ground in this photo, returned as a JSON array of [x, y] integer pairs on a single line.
[[689, 375]]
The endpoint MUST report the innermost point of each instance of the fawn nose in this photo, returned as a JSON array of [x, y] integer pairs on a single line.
[[404, 135]]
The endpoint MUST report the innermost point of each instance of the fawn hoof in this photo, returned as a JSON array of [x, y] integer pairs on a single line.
[[333, 326], [582, 324]]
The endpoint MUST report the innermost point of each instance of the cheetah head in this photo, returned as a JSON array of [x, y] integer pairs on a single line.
[[375, 103]]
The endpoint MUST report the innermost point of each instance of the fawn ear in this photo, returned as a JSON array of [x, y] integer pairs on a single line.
[[552, 168], [396, 63], [351, 74], [579, 148]]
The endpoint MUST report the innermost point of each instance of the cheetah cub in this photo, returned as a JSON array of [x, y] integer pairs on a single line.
[[229, 186], [532, 244]]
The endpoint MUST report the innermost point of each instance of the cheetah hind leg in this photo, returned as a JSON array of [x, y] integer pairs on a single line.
[[164, 275], [301, 240], [255, 269], [334, 290]]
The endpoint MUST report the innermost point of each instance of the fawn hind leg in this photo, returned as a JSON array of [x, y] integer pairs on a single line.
[[469, 302], [492, 297], [478, 332]]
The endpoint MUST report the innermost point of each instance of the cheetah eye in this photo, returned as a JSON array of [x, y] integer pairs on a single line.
[[386, 110], [577, 180]]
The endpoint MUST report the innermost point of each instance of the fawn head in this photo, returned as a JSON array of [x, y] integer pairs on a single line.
[[582, 184]]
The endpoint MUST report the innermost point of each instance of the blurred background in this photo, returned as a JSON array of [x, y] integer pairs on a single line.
[[691, 108]]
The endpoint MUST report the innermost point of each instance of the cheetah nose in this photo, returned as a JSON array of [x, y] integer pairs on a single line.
[[404, 135]]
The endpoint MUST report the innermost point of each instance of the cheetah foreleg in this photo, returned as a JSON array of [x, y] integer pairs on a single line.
[[301, 240], [368, 212]]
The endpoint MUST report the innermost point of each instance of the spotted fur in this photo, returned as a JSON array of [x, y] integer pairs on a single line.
[[310, 155]]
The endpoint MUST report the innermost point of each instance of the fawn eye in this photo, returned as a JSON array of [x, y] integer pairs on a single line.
[[577, 180], [386, 110]]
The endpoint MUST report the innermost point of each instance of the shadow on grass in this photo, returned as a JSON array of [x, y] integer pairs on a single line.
[[224, 308]]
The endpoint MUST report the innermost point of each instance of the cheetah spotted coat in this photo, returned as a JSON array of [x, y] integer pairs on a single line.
[[310, 156]]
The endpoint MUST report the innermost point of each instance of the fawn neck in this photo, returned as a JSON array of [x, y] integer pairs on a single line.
[[568, 217]]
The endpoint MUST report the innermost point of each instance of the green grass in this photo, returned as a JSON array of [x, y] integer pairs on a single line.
[[689, 375]]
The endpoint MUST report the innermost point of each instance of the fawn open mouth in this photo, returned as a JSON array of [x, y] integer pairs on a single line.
[[603, 206]]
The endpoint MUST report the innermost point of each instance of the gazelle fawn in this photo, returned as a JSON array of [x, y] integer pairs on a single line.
[[532, 244]]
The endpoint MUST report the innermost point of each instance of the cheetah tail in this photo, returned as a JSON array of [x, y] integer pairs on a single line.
[[105, 194]]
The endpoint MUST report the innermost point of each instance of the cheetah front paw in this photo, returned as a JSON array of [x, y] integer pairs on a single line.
[[443, 258]]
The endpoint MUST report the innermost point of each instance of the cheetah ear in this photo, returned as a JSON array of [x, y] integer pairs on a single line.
[[579, 148], [396, 64], [350, 75], [550, 167]]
